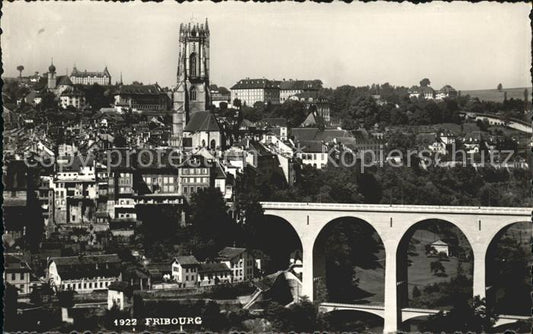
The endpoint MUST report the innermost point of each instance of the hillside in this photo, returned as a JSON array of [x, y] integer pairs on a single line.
[[496, 96]]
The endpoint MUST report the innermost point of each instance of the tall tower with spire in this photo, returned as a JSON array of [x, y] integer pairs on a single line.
[[52, 79], [191, 93]]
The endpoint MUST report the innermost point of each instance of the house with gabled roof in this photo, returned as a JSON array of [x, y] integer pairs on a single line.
[[185, 270], [202, 130], [240, 261], [84, 273]]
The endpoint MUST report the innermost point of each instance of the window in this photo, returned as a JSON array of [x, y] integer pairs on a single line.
[[192, 94], [192, 65], [13, 276]]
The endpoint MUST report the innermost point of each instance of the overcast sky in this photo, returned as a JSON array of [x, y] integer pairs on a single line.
[[470, 46]]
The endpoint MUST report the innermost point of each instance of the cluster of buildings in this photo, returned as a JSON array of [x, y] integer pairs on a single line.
[[91, 186], [428, 93], [87, 273], [251, 91], [232, 265]]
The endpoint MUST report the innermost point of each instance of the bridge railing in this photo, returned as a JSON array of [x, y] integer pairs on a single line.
[[398, 208]]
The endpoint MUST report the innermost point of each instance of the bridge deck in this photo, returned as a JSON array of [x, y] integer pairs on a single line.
[[478, 210], [407, 310]]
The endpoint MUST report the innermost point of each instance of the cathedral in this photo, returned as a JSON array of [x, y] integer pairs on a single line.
[[193, 125]]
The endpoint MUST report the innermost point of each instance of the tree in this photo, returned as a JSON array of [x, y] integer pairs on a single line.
[[211, 223], [97, 96], [500, 87], [437, 268], [293, 111], [463, 317], [416, 292], [20, 68], [48, 101], [425, 82], [237, 103]]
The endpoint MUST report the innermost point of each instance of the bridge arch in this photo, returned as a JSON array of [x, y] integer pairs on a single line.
[[418, 251], [279, 240], [341, 245], [346, 319], [508, 264]]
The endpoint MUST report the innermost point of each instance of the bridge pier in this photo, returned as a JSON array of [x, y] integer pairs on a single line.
[[479, 288], [390, 318], [307, 270]]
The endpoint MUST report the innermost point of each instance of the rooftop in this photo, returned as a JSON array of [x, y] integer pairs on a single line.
[[213, 267], [300, 85], [140, 90], [255, 84], [85, 73], [202, 121], [228, 253], [187, 260]]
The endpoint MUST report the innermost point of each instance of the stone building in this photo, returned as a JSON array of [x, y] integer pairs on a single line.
[[102, 78], [191, 94]]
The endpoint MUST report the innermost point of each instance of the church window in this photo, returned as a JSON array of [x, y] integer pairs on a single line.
[[192, 94], [192, 65], [213, 144], [203, 142]]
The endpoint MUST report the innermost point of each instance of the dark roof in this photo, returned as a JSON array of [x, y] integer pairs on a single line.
[[119, 286], [75, 267], [78, 73], [304, 133], [187, 260], [228, 253], [14, 264], [140, 90], [311, 146], [255, 84], [86, 259], [330, 134], [72, 92], [202, 121], [300, 85], [157, 270], [325, 135], [213, 267], [259, 149], [63, 80]]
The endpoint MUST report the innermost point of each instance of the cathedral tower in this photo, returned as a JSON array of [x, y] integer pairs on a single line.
[[192, 89]]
